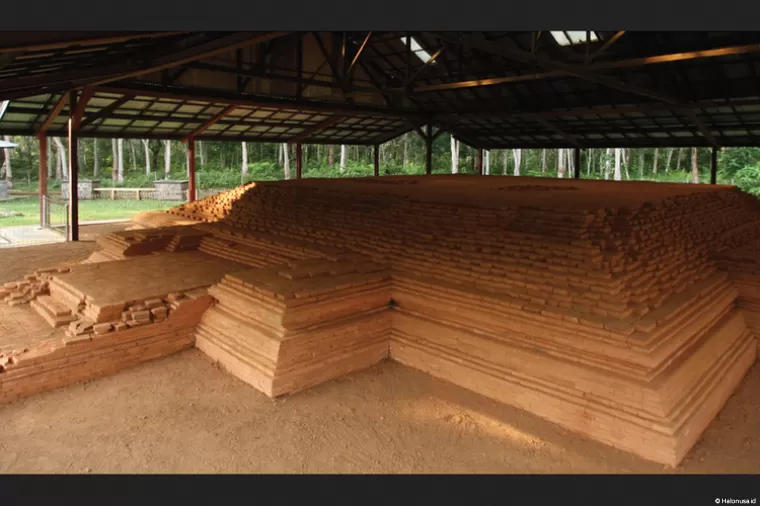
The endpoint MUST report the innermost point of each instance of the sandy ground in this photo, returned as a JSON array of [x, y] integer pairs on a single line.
[[182, 414]]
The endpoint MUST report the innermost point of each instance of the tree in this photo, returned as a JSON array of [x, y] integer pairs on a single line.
[[146, 147], [244, 168], [618, 175], [331, 156], [517, 155], [654, 165], [95, 158], [694, 166], [7, 163], [120, 146], [342, 158], [286, 161], [61, 164], [167, 159], [678, 160], [667, 163], [607, 163], [543, 161], [487, 162], [454, 156]]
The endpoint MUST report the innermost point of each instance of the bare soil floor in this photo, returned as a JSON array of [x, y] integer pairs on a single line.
[[182, 414]]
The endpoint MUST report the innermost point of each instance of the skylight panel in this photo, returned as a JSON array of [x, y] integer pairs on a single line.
[[569, 38], [417, 49]]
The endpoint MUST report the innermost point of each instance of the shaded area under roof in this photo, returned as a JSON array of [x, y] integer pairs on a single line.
[[490, 90]]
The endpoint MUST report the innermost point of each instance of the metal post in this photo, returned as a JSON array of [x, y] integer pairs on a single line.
[[377, 160], [73, 221], [299, 161], [191, 170], [429, 150], [43, 178], [714, 166], [577, 162]]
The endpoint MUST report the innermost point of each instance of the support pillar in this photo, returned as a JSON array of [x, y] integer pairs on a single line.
[[191, 170], [429, 149], [43, 183], [299, 161], [73, 234], [480, 162], [377, 160], [714, 166], [577, 162]]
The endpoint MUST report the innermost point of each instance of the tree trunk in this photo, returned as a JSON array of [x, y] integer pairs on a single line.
[[62, 163], [561, 163], [543, 161], [607, 164], [7, 163], [115, 163], [487, 162], [202, 153], [654, 164], [694, 166], [145, 144], [590, 155], [134, 154], [626, 154], [95, 159], [618, 175], [517, 155], [342, 158], [570, 163], [167, 159], [286, 160], [244, 168], [678, 160], [667, 163], [454, 156], [406, 143], [641, 164], [120, 145], [506, 162]]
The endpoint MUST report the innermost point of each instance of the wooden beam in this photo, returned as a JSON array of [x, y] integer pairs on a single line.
[[85, 97], [3, 108], [191, 170], [299, 161], [606, 45], [702, 128], [438, 133], [104, 112], [205, 126], [421, 69], [324, 125], [377, 159], [609, 65], [53, 114], [206, 50], [116, 39], [42, 178], [358, 53], [73, 170]]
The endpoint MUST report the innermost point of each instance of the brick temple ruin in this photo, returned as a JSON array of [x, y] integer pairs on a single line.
[[625, 312]]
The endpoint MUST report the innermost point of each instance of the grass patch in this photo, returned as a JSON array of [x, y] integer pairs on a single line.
[[89, 210]]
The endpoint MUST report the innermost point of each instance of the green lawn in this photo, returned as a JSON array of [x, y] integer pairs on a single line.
[[89, 210]]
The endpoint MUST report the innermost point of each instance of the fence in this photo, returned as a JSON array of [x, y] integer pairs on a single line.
[[55, 212]]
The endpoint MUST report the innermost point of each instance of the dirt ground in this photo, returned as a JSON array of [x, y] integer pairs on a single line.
[[181, 414]]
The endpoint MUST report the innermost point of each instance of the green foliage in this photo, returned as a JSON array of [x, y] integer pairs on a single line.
[[748, 179]]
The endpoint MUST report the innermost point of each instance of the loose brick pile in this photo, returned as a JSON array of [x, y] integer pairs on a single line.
[[608, 308]]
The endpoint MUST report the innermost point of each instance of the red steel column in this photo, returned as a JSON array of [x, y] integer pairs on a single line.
[[73, 171], [43, 178], [191, 170]]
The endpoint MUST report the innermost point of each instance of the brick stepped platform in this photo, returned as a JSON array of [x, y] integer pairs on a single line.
[[130, 243], [609, 308], [286, 328], [117, 314], [594, 305]]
